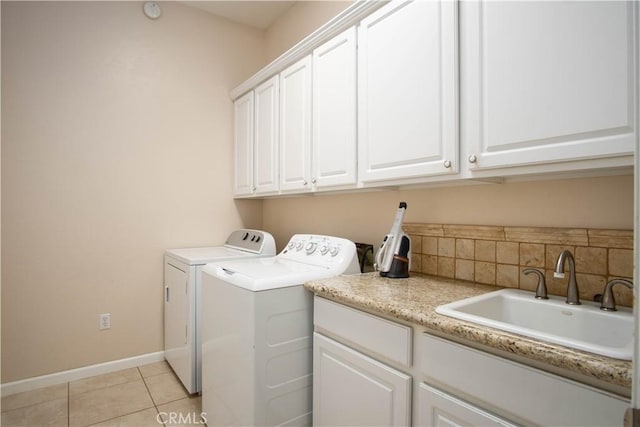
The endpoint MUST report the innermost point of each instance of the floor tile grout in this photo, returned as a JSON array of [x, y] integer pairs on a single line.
[[115, 415]]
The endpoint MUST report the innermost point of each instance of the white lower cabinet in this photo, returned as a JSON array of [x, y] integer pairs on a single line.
[[439, 409], [353, 389], [367, 371], [517, 392]]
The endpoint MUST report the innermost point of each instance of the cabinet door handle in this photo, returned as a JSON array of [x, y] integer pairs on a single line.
[[304, 183], [447, 164], [166, 288], [473, 158], [313, 181]]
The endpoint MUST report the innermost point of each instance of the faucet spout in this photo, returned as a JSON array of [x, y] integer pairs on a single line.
[[573, 295], [608, 301]]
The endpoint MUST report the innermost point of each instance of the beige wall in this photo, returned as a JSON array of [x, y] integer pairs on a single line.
[[300, 20], [367, 217], [116, 145]]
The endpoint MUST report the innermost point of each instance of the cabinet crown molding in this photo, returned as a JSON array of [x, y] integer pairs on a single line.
[[350, 16]]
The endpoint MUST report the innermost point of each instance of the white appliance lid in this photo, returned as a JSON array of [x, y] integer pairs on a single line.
[[266, 273], [199, 256]]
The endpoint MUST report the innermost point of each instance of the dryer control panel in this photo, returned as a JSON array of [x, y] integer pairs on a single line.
[[255, 241]]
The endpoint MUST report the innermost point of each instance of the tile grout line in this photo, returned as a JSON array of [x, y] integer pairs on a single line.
[[134, 412], [155, 406]]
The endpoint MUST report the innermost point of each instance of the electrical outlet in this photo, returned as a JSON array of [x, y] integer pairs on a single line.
[[105, 321]]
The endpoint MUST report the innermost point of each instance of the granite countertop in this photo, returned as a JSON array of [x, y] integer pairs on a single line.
[[415, 300]]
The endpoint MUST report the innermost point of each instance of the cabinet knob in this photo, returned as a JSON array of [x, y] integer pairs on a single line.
[[473, 158], [447, 164], [253, 189], [313, 181], [304, 183]]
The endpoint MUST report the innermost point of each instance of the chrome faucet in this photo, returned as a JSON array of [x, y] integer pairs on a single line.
[[573, 295], [541, 288], [608, 301]]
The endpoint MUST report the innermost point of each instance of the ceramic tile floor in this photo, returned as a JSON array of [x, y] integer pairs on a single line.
[[149, 395]]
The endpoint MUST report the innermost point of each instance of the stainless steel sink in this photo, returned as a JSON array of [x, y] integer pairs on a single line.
[[583, 327]]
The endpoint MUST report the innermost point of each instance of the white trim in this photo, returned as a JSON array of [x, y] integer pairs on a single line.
[[29, 384], [350, 16]]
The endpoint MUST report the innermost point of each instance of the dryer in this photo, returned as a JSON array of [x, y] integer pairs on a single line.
[[182, 308], [257, 330]]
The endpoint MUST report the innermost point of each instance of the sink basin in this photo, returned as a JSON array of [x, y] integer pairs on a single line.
[[583, 327]]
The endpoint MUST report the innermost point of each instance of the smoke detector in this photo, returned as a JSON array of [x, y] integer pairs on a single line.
[[152, 10]]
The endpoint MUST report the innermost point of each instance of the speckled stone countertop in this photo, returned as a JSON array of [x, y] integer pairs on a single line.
[[415, 300]]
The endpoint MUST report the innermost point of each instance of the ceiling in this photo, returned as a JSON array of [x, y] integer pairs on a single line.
[[258, 14]]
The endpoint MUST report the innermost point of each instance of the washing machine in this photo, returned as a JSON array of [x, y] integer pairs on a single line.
[[257, 330], [182, 295]]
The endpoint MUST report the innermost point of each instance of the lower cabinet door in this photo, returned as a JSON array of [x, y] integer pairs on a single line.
[[439, 409], [350, 388]]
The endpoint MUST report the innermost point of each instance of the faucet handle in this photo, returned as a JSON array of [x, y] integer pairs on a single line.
[[541, 288], [608, 301]]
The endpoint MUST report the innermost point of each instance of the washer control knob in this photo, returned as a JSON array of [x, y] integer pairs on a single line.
[[291, 245], [324, 249], [299, 246], [310, 248], [334, 251]]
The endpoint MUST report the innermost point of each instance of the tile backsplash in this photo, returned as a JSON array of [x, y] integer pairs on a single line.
[[496, 255]]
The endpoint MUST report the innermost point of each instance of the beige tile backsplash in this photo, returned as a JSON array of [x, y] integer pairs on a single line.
[[496, 255]]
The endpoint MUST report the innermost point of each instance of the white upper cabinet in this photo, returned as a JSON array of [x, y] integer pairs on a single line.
[[423, 91], [334, 112], [407, 91], [266, 137], [547, 81], [295, 126], [243, 145]]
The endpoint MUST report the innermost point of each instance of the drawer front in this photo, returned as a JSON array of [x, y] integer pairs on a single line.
[[439, 409], [506, 386], [386, 338]]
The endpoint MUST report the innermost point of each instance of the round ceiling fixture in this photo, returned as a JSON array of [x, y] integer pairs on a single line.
[[152, 10]]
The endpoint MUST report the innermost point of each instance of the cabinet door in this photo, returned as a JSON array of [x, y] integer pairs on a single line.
[[407, 91], [334, 111], [266, 136], [439, 409], [177, 350], [547, 81], [295, 126], [243, 145], [352, 389]]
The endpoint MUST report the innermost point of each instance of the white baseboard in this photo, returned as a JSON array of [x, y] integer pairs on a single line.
[[79, 373]]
